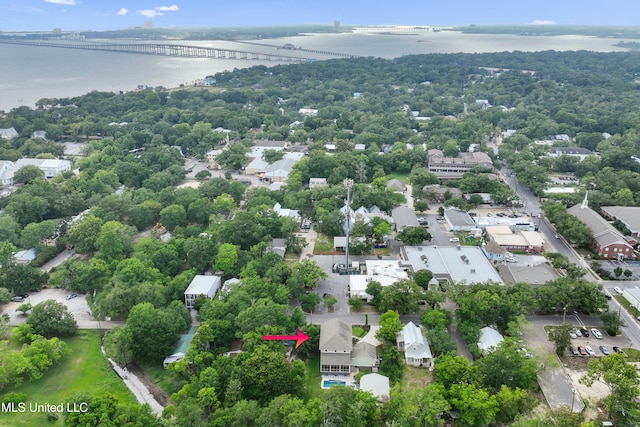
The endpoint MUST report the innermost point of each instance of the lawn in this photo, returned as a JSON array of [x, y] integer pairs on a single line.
[[313, 378], [404, 177], [85, 371]]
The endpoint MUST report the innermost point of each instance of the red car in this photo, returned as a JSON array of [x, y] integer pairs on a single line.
[[582, 351]]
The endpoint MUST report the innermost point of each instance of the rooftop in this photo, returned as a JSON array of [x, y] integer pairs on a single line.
[[458, 263], [629, 215]]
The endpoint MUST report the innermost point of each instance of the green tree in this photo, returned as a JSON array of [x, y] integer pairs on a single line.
[[309, 301], [390, 325], [506, 366], [475, 407], [5, 296], [151, 333], [422, 278], [173, 216], [402, 296], [559, 336], [612, 322], [329, 301], [23, 308], [34, 234], [9, 229], [450, 369], [623, 382], [227, 259], [617, 271], [21, 278], [27, 174], [51, 318], [413, 235], [392, 364], [84, 234], [305, 274], [356, 303], [511, 403]]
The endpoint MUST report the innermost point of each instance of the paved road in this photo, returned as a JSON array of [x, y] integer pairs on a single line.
[[57, 260]]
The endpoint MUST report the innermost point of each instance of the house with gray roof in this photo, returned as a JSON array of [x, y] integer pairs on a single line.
[[404, 216], [458, 220], [376, 384], [335, 347], [396, 184], [607, 241], [279, 171], [578, 152], [9, 133], [364, 355]]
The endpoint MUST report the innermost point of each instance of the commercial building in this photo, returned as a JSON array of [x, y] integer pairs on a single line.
[[459, 220], [386, 272], [461, 264], [578, 152], [608, 242], [446, 168], [628, 215]]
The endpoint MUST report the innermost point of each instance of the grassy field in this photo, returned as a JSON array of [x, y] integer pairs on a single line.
[[404, 177], [313, 378], [85, 371]]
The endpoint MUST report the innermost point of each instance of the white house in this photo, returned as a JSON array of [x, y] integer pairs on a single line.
[[415, 346], [490, 339], [201, 285], [309, 112], [50, 167], [9, 133], [316, 182]]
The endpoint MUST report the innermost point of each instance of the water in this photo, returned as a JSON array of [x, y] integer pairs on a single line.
[[28, 74]]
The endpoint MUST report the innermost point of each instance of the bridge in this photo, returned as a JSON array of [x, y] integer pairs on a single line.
[[165, 50], [300, 49]]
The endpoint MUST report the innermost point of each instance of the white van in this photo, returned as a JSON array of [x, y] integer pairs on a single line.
[[454, 240]]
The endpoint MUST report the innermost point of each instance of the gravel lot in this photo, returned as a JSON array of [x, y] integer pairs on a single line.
[[77, 306]]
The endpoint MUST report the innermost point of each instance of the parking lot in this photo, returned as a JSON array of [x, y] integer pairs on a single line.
[[77, 306], [634, 266]]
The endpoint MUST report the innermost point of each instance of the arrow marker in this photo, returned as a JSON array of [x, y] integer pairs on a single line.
[[299, 337]]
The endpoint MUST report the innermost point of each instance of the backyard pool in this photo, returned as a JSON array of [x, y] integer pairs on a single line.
[[329, 383]]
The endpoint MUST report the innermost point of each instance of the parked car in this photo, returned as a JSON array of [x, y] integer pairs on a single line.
[[511, 259], [618, 290], [582, 351], [589, 350], [454, 240], [572, 334], [578, 333], [604, 350], [17, 299], [585, 333], [617, 349], [575, 351], [596, 333], [71, 296]]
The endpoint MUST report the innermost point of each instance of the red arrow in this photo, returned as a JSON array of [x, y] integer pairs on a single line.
[[299, 337]]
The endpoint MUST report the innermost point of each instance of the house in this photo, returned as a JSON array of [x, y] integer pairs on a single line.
[[316, 182], [364, 355], [50, 167], [396, 185], [39, 134], [440, 193], [291, 213], [415, 346], [360, 147], [579, 152], [608, 242], [493, 251], [458, 220], [446, 168], [25, 256], [279, 170], [258, 166], [308, 112], [206, 286], [628, 215], [490, 339], [7, 169], [404, 216], [335, 347], [9, 133], [278, 246], [376, 384], [181, 347]]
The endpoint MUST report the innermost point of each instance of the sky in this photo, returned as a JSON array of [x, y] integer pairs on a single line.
[[75, 15]]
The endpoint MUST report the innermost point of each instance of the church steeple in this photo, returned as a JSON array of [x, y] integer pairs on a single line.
[[585, 202]]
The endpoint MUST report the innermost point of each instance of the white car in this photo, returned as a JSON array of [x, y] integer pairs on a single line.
[[589, 350], [596, 333], [618, 290], [572, 334], [511, 259], [454, 240], [577, 332]]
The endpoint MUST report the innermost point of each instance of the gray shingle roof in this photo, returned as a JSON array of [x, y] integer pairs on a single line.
[[335, 335]]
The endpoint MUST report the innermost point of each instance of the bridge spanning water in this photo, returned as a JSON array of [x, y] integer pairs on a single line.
[[300, 49], [165, 50]]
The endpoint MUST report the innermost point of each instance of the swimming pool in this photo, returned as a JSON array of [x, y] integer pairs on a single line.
[[329, 383]]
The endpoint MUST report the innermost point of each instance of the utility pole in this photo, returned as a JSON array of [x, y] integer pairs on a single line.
[[348, 183]]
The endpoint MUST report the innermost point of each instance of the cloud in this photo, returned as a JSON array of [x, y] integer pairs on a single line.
[[63, 2], [156, 11], [150, 13], [542, 22], [172, 8], [123, 12]]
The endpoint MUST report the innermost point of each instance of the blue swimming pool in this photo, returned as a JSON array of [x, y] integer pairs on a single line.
[[329, 383]]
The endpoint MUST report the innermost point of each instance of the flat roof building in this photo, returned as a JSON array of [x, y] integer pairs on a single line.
[[454, 167], [386, 272], [460, 264], [458, 220]]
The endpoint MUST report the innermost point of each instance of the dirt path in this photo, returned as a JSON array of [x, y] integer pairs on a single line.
[[158, 393]]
